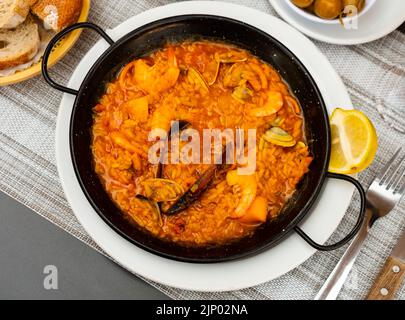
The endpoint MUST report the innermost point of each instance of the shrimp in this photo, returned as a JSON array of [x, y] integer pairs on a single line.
[[125, 75], [248, 188], [293, 104], [159, 77], [273, 104], [162, 118], [259, 71]]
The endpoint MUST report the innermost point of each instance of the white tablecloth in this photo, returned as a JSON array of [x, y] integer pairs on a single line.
[[373, 73]]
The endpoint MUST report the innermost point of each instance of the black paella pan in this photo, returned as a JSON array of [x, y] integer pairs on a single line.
[[200, 27]]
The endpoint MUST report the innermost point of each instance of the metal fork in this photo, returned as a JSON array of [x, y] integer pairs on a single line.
[[382, 196]]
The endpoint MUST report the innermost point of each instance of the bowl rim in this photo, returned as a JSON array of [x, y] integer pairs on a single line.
[[303, 211], [314, 18]]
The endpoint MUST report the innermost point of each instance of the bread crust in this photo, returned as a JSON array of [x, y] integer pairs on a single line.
[[66, 12], [18, 61]]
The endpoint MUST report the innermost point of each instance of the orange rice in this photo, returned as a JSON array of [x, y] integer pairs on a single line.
[[123, 164]]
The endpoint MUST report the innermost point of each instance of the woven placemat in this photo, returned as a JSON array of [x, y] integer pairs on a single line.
[[373, 73]]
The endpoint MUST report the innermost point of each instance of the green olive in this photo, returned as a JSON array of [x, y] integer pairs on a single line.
[[328, 9], [302, 3]]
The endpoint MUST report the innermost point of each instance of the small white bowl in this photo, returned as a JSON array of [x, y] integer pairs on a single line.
[[313, 17]]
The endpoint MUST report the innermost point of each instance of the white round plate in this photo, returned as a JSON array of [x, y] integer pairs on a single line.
[[293, 251], [382, 18]]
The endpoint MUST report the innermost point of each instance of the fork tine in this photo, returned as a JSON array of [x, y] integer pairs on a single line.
[[393, 173], [397, 183], [384, 171], [402, 190]]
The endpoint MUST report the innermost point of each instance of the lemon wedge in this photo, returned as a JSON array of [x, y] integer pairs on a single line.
[[354, 141]]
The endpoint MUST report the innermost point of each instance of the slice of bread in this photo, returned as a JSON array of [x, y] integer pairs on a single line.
[[14, 12], [19, 45], [57, 14]]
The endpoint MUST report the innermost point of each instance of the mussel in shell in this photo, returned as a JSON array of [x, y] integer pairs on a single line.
[[279, 137]]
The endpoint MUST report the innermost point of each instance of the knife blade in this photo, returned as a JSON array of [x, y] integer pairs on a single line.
[[392, 275], [399, 250]]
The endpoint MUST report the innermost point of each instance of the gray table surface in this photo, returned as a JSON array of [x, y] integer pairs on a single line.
[[28, 244]]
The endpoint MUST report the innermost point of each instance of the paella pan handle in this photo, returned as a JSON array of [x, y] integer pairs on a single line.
[[356, 228], [56, 39]]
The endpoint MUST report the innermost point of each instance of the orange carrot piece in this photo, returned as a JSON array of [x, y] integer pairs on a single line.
[[257, 212]]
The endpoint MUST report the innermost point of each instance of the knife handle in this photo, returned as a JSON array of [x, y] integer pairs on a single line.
[[389, 281]]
